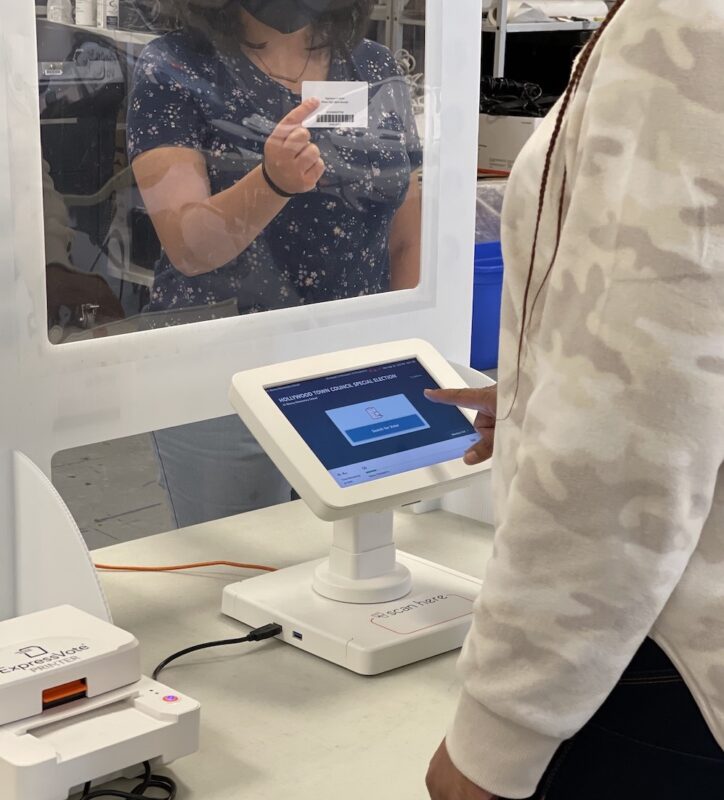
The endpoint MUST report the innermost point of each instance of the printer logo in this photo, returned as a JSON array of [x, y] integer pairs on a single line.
[[32, 652], [39, 659]]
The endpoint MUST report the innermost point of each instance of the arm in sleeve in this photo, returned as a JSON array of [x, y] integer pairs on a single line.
[[162, 108], [622, 438]]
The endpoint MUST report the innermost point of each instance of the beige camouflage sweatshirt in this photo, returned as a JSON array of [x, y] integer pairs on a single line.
[[609, 485]]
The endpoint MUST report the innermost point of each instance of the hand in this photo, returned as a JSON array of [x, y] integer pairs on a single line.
[[446, 782], [485, 402], [292, 162]]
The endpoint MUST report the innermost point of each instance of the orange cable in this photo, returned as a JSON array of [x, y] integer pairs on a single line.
[[118, 568]]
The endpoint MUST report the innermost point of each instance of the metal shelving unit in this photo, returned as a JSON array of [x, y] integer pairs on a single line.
[[382, 13], [503, 28], [385, 13], [401, 18]]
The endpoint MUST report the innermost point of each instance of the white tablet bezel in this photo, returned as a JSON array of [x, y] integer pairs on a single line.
[[297, 462]]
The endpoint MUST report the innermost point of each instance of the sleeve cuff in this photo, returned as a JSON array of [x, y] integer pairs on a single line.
[[498, 755]]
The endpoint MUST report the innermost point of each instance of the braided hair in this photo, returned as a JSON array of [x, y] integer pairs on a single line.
[[573, 85]]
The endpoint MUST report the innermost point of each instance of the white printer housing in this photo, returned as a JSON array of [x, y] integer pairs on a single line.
[[74, 706]]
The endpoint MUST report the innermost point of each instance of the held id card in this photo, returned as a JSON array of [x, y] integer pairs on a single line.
[[343, 104]]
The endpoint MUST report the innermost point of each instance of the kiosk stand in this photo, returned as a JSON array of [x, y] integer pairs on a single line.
[[362, 565], [366, 607]]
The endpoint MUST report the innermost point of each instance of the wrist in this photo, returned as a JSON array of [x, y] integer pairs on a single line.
[[271, 183]]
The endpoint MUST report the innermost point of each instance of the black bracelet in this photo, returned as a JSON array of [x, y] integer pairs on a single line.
[[273, 185]]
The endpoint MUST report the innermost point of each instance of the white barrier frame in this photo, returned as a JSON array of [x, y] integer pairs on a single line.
[[57, 397]]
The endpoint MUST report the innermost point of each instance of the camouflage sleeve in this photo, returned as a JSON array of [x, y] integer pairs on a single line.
[[607, 467]]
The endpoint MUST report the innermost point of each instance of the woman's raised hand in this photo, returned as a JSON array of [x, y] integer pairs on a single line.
[[292, 161]]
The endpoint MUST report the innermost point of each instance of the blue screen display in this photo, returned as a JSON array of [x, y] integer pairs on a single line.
[[374, 422]]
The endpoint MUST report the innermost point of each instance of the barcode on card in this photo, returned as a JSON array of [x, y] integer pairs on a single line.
[[335, 119]]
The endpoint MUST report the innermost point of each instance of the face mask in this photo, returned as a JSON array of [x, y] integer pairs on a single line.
[[289, 16]]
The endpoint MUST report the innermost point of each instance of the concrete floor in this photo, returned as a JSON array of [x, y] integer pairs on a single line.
[[112, 491]]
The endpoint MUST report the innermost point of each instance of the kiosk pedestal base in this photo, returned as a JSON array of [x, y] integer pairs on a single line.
[[432, 618]]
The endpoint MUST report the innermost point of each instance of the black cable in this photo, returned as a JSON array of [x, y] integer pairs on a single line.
[[257, 635], [513, 98], [148, 781]]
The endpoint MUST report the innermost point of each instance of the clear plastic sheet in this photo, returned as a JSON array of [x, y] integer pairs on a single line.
[[170, 185], [488, 208], [63, 99]]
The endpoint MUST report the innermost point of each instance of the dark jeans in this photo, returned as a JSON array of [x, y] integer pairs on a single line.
[[648, 741]]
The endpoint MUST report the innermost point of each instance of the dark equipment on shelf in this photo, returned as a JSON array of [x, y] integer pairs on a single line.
[[545, 56], [82, 87], [511, 98]]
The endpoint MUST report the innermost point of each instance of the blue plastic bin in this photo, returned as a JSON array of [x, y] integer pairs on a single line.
[[487, 295]]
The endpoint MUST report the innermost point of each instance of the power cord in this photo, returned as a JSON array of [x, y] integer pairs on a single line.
[[257, 635], [148, 781], [184, 567]]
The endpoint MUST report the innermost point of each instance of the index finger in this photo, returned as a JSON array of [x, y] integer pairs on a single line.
[[295, 118], [476, 399]]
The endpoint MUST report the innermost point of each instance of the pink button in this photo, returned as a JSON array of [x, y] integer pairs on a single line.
[[171, 698]]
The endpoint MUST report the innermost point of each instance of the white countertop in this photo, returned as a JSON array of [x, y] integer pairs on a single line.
[[278, 722]]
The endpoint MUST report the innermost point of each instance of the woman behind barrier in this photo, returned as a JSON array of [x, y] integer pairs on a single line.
[[251, 204], [595, 665]]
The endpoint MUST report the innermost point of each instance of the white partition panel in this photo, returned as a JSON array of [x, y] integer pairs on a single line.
[[57, 397]]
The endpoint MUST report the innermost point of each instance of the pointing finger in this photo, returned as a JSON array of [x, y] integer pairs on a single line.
[[484, 400]]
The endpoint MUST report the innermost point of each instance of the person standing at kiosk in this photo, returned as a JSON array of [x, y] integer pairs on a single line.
[[250, 202], [595, 665]]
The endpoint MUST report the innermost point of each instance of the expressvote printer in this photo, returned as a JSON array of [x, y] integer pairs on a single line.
[[74, 706]]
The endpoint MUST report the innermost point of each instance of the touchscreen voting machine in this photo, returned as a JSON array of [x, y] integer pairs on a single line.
[[356, 437]]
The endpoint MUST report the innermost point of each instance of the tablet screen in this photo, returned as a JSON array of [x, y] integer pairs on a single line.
[[374, 422]]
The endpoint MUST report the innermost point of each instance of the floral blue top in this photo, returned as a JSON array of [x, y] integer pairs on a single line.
[[328, 244]]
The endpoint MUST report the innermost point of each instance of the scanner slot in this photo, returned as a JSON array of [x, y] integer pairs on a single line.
[[65, 693]]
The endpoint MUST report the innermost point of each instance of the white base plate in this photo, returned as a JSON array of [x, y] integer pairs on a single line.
[[368, 639]]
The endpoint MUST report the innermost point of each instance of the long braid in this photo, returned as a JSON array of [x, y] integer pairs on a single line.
[[573, 85]]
